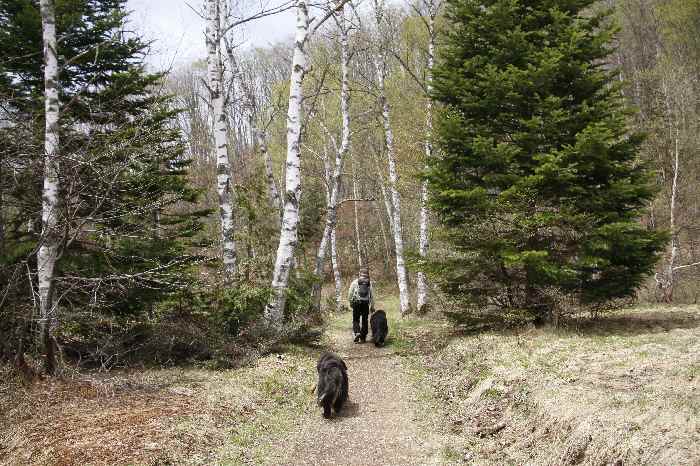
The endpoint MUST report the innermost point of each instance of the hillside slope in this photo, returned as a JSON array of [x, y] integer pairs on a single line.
[[623, 390]]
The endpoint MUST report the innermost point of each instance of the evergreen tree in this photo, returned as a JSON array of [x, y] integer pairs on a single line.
[[538, 186], [124, 215]]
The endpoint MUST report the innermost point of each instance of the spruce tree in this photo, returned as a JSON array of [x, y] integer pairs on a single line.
[[126, 215], [538, 186]]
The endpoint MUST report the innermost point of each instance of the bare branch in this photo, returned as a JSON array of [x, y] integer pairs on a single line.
[[405, 66], [330, 13], [370, 199], [288, 5], [686, 266]]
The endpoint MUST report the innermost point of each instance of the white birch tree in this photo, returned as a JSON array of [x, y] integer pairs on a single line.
[[274, 311], [50, 237], [356, 215], [385, 196], [335, 184], [673, 256], [667, 283], [273, 190], [332, 182], [224, 185], [336, 272], [381, 68], [253, 103], [423, 239]]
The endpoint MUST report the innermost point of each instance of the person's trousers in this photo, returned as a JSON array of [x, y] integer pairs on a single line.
[[360, 314]]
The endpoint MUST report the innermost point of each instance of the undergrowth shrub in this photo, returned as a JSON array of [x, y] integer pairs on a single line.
[[215, 326], [239, 306]]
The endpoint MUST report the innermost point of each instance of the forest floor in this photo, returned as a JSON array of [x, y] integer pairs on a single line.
[[264, 414], [624, 390]]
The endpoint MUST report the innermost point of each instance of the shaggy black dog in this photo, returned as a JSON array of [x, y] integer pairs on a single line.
[[332, 387], [380, 327]]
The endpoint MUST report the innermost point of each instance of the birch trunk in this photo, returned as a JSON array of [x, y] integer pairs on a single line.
[[387, 200], [344, 144], [274, 311], [257, 136], [275, 198], [421, 281], [335, 185], [358, 240], [401, 274], [48, 251], [667, 282], [387, 250], [325, 238], [336, 272], [670, 272], [224, 186]]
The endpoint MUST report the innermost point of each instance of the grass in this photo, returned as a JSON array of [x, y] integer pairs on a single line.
[[621, 390], [160, 416], [164, 416], [283, 384]]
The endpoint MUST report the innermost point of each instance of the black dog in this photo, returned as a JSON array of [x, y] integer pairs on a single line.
[[380, 327], [332, 387]]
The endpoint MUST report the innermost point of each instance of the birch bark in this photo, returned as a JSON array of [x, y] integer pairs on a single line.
[[345, 148], [336, 272], [385, 241], [48, 251], [667, 283], [224, 185], [670, 272], [401, 274], [274, 311], [385, 197], [275, 198], [335, 185], [358, 239], [423, 240], [325, 238]]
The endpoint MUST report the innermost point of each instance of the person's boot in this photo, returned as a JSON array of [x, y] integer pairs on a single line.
[[357, 338]]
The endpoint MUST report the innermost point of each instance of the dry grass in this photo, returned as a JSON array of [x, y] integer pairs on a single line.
[[621, 391], [167, 416], [263, 414], [123, 418], [624, 390]]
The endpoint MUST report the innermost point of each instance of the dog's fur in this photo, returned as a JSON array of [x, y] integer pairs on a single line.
[[332, 387], [380, 327]]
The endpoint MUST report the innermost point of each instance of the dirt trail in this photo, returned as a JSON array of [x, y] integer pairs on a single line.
[[377, 426]]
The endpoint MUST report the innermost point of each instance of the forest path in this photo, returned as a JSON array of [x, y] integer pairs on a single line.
[[378, 425]]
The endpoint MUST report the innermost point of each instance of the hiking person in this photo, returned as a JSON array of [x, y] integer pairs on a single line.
[[361, 301]]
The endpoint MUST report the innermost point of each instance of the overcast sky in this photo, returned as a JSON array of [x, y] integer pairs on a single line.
[[178, 31]]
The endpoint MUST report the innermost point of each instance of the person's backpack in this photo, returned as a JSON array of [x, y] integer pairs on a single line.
[[363, 290]]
